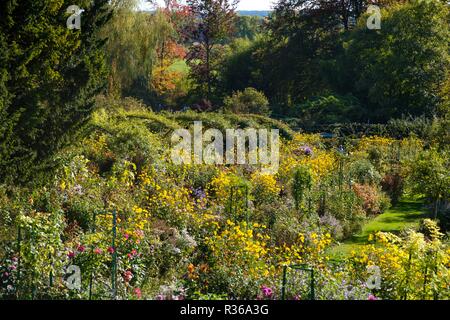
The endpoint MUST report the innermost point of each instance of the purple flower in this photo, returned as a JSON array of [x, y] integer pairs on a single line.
[[267, 292], [199, 193], [71, 255], [307, 150]]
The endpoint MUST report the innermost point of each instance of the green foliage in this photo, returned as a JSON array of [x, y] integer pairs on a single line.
[[402, 68], [429, 175], [48, 77], [248, 101], [301, 182], [248, 27], [133, 39], [241, 68], [328, 109], [214, 23], [364, 172]]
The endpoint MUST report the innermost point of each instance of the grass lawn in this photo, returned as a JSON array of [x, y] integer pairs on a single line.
[[407, 213], [180, 66]]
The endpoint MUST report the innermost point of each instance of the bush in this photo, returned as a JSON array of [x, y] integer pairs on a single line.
[[373, 200], [363, 172], [248, 101], [328, 109]]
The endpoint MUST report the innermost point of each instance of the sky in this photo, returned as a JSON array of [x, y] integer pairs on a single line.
[[243, 5]]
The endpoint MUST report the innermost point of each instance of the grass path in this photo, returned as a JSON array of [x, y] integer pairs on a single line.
[[407, 213]]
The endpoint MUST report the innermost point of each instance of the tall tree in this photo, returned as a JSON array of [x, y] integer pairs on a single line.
[[49, 75], [402, 69], [215, 21]]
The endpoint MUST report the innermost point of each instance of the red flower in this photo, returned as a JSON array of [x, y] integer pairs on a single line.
[[98, 251], [127, 276], [111, 250], [81, 248], [71, 255], [138, 293]]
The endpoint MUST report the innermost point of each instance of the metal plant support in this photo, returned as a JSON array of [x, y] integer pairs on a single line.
[[302, 267], [238, 194], [114, 255]]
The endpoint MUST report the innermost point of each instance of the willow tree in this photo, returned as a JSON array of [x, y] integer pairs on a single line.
[[133, 39]]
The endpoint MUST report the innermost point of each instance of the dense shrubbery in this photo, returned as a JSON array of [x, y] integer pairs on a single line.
[[113, 208], [248, 101], [180, 233]]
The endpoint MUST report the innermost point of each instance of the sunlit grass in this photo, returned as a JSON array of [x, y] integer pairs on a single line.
[[406, 214]]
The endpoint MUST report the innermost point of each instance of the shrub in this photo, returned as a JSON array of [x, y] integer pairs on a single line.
[[301, 182], [327, 110], [363, 172], [393, 185], [248, 101], [264, 188], [373, 200], [429, 176]]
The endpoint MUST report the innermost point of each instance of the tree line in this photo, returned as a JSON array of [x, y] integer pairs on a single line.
[[312, 60]]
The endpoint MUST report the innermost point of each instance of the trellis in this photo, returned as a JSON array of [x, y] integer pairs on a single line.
[[301, 268], [114, 253], [238, 202], [21, 236]]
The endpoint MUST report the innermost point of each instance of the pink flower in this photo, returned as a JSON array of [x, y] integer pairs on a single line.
[[159, 297], [71, 255], [372, 297], [138, 293], [267, 292], [98, 251], [111, 250], [129, 256], [134, 252], [126, 236], [81, 248], [127, 276]]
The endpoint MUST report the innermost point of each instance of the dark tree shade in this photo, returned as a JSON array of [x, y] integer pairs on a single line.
[[48, 78]]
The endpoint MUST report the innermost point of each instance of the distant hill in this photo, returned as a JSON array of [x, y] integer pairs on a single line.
[[257, 13], [253, 13]]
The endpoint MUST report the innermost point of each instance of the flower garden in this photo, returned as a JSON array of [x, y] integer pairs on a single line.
[[120, 221]]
